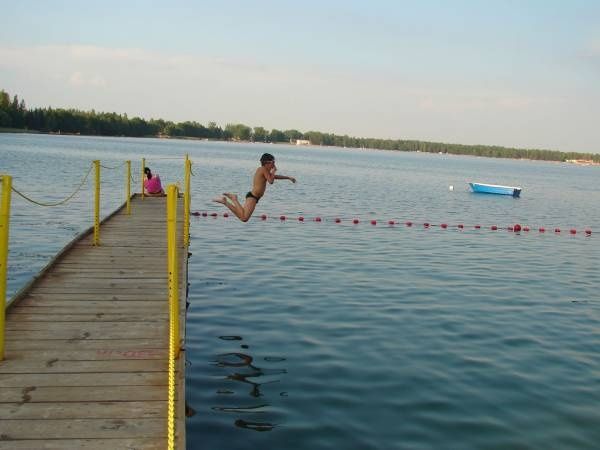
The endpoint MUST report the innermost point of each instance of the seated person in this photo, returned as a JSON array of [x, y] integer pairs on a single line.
[[152, 185]]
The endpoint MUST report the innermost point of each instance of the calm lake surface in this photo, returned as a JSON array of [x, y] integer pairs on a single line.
[[319, 335]]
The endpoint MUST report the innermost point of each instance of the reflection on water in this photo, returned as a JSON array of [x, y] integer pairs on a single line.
[[240, 371]]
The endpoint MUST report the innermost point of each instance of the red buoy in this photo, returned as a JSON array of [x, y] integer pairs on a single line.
[[588, 232], [573, 231], [373, 222], [225, 215], [355, 221], [426, 224], [213, 214], [557, 230], [281, 217], [517, 228], [477, 227], [542, 230], [391, 222], [444, 225], [300, 219], [461, 226], [263, 217], [204, 214], [494, 227], [409, 224], [317, 219], [338, 220], [195, 213], [526, 228]]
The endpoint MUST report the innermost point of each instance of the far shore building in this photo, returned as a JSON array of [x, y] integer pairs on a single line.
[[302, 142]]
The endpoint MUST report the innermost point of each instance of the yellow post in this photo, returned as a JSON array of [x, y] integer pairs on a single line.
[[4, 223], [172, 260], [173, 308], [142, 176], [128, 186], [97, 205], [186, 203]]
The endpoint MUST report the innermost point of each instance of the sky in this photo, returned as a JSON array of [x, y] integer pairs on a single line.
[[515, 73]]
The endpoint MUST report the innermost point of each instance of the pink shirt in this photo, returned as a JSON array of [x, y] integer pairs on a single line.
[[153, 185]]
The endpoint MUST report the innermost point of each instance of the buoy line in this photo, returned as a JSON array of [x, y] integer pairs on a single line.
[[516, 228]]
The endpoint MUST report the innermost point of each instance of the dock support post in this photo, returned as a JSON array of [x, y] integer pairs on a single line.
[[4, 226], [173, 289], [142, 176], [97, 204], [186, 203], [128, 186]]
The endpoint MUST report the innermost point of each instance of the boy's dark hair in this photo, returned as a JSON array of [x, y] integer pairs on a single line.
[[266, 157], [148, 172]]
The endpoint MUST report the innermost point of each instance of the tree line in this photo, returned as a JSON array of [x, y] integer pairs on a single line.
[[14, 114]]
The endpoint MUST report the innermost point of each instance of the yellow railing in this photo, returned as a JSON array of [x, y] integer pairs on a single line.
[[4, 226]]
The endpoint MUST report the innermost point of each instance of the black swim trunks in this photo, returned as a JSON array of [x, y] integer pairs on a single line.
[[250, 194]]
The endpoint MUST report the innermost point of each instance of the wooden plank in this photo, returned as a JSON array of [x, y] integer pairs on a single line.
[[100, 296], [84, 379], [85, 344], [83, 410], [56, 365], [90, 317], [82, 334], [155, 443], [43, 394], [90, 306], [82, 428], [99, 354]]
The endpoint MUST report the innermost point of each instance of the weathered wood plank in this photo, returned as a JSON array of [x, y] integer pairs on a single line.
[[82, 428], [56, 365], [43, 394], [90, 317], [85, 344], [99, 354], [83, 410], [86, 444], [84, 379]]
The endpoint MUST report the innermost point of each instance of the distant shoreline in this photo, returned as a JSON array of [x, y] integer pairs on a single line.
[[577, 162]]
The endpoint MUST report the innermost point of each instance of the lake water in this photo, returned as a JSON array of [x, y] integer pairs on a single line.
[[319, 335]]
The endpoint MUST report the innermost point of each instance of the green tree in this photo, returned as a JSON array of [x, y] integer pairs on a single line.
[[239, 131], [292, 135], [260, 134], [277, 136]]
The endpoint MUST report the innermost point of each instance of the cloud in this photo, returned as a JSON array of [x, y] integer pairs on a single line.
[[80, 80], [451, 103]]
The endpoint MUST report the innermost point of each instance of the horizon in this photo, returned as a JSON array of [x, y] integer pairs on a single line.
[[511, 75]]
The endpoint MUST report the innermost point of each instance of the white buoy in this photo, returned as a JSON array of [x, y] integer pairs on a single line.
[[450, 188]]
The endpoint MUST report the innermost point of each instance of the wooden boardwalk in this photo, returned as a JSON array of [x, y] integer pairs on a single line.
[[87, 342]]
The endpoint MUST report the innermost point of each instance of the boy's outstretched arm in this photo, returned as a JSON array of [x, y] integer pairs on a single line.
[[284, 177]]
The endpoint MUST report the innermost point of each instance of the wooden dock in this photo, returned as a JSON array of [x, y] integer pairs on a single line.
[[87, 342]]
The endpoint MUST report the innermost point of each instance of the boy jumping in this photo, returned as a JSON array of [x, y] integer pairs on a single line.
[[265, 173]]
